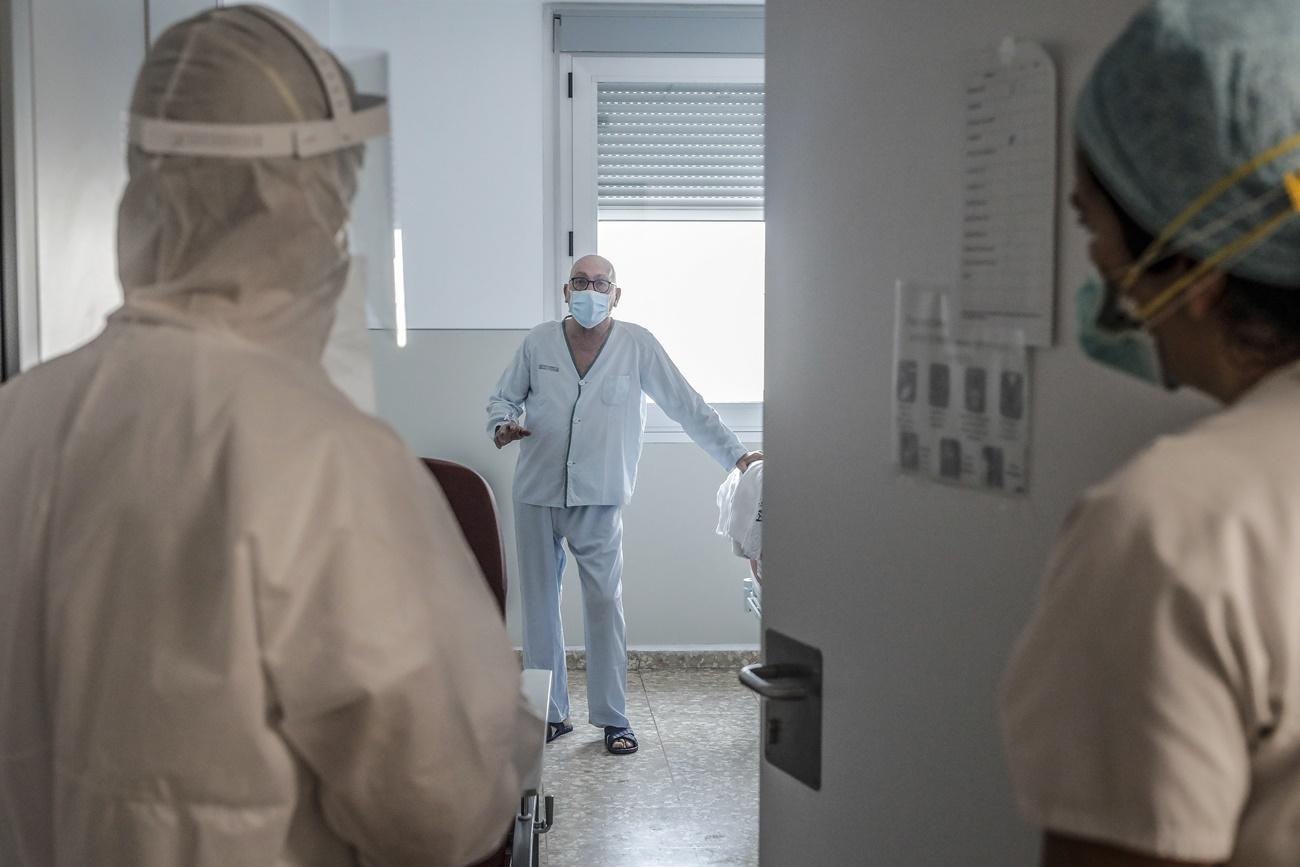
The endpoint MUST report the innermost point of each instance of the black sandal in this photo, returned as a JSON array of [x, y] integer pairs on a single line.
[[554, 730], [620, 733]]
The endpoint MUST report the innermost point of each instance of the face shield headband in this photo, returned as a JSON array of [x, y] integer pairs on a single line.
[[348, 125]]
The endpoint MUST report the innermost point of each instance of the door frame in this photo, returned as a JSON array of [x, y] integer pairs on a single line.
[[19, 314]]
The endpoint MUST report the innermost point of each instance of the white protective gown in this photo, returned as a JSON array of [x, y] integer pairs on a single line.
[[239, 624]]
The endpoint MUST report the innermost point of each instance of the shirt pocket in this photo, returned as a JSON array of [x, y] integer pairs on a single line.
[[614, 389]]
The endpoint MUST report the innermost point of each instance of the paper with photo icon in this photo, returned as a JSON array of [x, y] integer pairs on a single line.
[[961, 395]]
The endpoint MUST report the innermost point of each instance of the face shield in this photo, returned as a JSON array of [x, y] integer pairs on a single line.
[[372, 296]]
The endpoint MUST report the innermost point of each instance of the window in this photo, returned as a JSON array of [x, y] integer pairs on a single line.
[[662, 173]]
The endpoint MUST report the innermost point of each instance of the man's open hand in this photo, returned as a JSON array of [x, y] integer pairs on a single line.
[[509, 432]]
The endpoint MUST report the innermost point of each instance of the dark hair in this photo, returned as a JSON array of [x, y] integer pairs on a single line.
[[1261, 318]]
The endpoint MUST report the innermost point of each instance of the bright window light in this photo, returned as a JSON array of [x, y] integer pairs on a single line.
[[698, 287], [399, 287]]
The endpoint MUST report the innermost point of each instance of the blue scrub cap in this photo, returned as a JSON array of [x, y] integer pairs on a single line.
[[1191, 91]]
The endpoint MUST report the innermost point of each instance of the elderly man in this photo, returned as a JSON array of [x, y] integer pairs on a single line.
[[583, 382]]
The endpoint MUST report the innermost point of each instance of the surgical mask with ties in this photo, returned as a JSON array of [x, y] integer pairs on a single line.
[[1129, 350], [589, 307]]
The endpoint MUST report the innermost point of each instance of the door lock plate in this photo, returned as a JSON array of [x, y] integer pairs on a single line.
[[792, 728]]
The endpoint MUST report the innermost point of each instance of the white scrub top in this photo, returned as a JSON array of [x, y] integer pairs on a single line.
[[1154, 700], [587, 430], [239, 624]]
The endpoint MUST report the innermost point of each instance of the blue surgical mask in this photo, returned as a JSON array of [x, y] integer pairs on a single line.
[[1132, 351], [589, 308]]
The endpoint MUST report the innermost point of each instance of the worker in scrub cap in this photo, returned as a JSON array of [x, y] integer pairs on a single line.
[[238, 623], [583, 382], [1152, 708]]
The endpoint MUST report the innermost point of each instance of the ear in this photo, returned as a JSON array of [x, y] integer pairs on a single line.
[[618, 293], [566, 293]]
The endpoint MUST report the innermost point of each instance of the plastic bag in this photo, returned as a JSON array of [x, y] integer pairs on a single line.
[[740, 510], [726, 495]]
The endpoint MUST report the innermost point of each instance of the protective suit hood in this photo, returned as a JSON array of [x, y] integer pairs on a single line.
[[253, 247]]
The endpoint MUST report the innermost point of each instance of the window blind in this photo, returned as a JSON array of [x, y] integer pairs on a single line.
[[679, 147]]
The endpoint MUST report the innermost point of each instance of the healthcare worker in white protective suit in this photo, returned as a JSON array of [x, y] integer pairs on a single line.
[[238, 622], [1152, 710], [583, 382]]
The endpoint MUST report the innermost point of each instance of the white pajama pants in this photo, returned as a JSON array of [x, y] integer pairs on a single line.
[[595, 537]]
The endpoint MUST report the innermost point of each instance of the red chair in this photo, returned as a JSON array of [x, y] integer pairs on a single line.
[[475, 508]]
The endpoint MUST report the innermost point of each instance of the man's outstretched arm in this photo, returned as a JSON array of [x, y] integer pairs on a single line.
[[683, 404]]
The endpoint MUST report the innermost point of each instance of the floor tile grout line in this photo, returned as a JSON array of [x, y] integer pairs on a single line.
[[670, 698], [659, 737]]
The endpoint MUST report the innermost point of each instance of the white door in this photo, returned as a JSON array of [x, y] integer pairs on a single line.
[[913, 593]]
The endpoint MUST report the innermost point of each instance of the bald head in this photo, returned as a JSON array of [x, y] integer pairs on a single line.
[[592, 267]]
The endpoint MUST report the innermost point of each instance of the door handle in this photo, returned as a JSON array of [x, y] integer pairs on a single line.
[[792, 719], [778, 682]]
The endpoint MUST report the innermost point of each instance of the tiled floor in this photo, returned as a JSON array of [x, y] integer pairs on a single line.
[[687, 798]]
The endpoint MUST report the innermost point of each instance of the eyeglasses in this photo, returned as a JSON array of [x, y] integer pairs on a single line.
[[582, 284]]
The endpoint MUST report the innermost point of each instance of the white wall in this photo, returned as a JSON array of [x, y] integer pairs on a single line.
[[85, 55], [473, 86], [914, 592], [681, 585], [468, 101]]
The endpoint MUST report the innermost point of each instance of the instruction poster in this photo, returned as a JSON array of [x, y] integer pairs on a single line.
[[1009, 192], [961, 396]]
